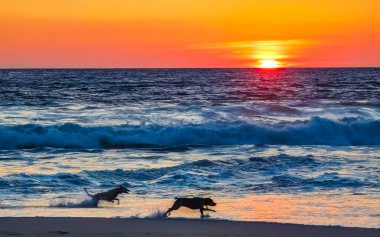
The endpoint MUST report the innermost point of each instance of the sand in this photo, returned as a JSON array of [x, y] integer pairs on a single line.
[[50, 226]]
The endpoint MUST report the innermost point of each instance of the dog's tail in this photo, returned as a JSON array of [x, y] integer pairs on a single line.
[[85, 189]]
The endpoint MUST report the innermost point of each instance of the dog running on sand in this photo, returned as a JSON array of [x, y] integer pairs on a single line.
[[192, 203], [109, 196]]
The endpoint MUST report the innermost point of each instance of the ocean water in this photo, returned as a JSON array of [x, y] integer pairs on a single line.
[[284, 145]]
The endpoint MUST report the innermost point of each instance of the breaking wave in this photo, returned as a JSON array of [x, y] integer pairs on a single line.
[[316, 131]]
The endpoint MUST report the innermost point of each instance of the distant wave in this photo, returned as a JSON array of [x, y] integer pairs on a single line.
[[315, 131], [361, 103]]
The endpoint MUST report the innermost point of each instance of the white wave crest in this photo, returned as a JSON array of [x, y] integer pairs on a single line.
[[315, 131]]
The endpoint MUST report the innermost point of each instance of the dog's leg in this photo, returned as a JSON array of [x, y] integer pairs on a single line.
[[207, 209], [118, 201], [173, 208], [201, 210], [168, 212]]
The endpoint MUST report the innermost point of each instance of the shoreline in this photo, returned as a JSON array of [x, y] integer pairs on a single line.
[[83, 226]]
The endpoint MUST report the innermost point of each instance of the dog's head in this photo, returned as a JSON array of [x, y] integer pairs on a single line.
[[209, 202], [123, 189]]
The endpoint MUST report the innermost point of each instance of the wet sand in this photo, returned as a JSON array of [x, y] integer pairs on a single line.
[[72, 226]]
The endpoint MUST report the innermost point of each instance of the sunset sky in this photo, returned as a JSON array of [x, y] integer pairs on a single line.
[[192, 33]]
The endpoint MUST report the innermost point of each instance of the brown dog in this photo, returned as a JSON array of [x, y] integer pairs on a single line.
[[110, 195], [192, 203]]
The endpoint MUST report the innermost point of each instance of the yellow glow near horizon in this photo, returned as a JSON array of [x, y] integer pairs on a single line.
[[264, 53], [268, 63]]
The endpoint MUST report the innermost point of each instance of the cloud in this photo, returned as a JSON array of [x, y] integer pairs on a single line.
[[283, 50]]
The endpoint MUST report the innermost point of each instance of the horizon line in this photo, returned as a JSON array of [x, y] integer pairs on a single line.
[[124, 68]]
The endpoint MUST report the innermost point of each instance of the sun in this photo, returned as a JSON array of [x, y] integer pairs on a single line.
[[268, 63]]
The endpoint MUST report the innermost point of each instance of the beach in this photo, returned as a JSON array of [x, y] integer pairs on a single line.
[[48, 226], [190, 118], [280, 146]]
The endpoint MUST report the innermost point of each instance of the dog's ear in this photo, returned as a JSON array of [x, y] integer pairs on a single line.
[[120, 186]]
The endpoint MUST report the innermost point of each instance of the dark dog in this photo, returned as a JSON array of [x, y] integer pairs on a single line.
[[192, 203], [110, 195]]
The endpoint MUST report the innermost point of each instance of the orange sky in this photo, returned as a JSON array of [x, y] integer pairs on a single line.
[[188, 33]]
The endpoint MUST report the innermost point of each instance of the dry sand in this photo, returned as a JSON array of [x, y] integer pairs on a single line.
[[50, 226]]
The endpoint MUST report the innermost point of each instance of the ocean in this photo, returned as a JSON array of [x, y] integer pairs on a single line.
[[279, 145]]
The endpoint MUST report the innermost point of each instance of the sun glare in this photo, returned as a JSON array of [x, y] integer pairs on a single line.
[[268, 63]]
